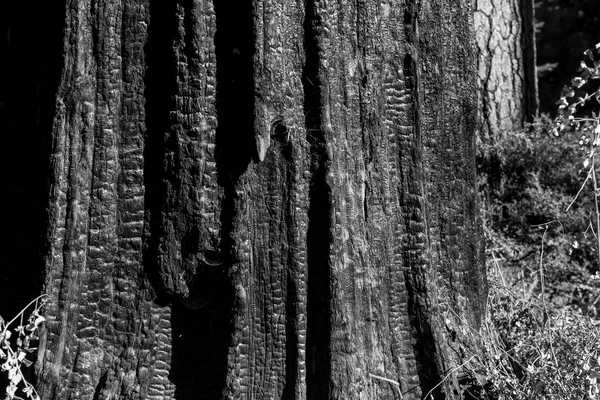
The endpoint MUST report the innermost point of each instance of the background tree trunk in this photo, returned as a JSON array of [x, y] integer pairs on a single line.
[[259, 200], [507, 83], [507, 95]]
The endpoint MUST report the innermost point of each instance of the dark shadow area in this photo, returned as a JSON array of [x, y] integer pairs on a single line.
[[530, 88], [161, 84], [291, 334], [283, 165], [31, 40], [415, 281], [424, 349], [201, 340], [565, 30], [234, 50], [318, 335], [234, 47], [472, 389], [31, 49]]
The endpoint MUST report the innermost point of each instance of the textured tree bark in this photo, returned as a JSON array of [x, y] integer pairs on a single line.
[[260, 200], [507, 80]]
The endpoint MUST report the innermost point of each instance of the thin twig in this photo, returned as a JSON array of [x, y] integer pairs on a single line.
[[542, 271], [546, 315], [596, 202], [384, 379], [24, 309], [389, 381], [498, 269], [580, 189]]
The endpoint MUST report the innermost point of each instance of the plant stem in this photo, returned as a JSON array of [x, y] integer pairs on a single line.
[[595, 181], [23, 310]]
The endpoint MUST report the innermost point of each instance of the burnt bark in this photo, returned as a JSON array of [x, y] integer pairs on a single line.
[[260, 200]]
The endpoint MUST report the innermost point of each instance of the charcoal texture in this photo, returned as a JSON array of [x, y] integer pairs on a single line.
[[259, 200]]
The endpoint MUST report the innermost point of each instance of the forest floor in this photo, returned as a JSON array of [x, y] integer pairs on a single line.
[[542, 327]]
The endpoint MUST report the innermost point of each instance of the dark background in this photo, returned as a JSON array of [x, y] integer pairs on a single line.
[[565, 29]]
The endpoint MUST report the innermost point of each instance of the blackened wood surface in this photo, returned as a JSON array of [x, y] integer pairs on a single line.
[[262, 200]]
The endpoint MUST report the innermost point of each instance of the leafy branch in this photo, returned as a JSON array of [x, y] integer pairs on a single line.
[[13, 355], [568, 105]]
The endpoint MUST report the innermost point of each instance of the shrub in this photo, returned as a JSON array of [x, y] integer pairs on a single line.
[[542, 221], [539, 178], [536, 352]]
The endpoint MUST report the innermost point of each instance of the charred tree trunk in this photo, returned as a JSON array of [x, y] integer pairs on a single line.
[[260, 200]]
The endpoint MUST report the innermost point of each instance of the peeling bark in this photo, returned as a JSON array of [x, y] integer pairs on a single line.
[[255, 200]]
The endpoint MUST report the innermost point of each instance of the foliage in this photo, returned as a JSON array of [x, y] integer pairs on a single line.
[[536, 352], [541, 217], [537, 177], [15, 348]]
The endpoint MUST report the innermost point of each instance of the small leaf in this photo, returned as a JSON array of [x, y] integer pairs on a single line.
[[579, 81], [28, 390], [584, 76], [567, 91]]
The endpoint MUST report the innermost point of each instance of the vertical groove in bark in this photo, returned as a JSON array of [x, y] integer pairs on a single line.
[[158, 82], [413, 246], [413, 251], [158, 87], [234, 41], [319, 235]]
